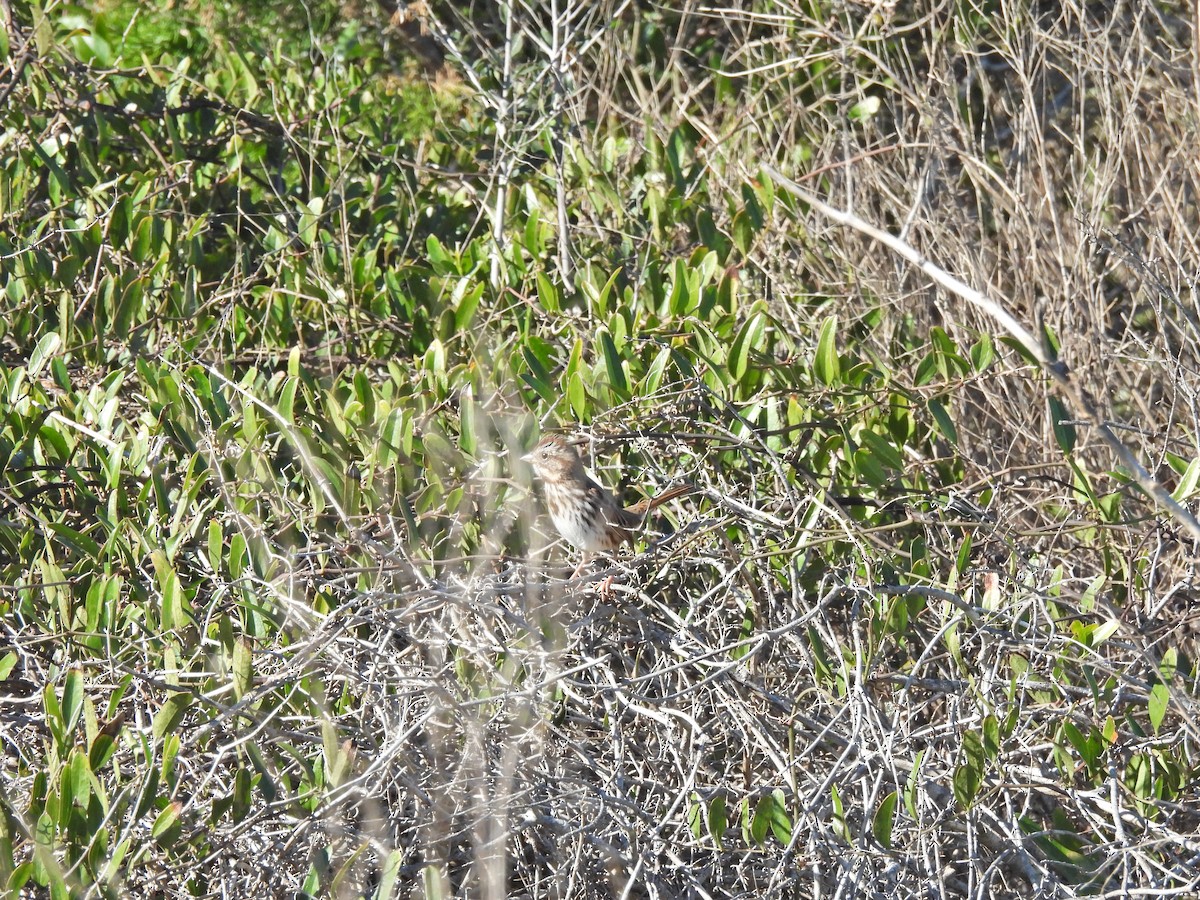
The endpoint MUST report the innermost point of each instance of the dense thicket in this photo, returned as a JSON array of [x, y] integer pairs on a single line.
[[287, 292]]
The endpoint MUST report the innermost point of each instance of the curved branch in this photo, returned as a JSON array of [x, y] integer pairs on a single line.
[[1084, 409]]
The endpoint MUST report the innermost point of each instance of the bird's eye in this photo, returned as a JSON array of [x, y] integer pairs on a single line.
[[545, 453]]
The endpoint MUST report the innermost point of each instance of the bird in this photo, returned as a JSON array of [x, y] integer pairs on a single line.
[[585, 514]]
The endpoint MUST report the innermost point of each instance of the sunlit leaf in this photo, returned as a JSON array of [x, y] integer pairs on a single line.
[[826, 364], [884, 818]]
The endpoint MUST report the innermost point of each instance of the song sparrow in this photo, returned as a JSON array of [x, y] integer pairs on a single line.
[[583, 512]]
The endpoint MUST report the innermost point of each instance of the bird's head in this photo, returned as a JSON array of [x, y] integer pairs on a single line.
[[554, 458]]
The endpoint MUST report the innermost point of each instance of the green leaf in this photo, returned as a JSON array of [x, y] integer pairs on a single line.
[[968, 777], [165, 828], [287, 400], [238, 555], [389, 875], [781, 822], [600, 298], [435, 360], [168, 718], [337, 761], [840, 825], [467, 426], [1160, 699], [537, 377], [54, 718], [441, 261], [577, 396], [243, 794], [927, 368], [827, 367], [612, 365], [1064, 431], [1021, 349], [45, 349], [885, 817], [1086, 749], [866, 464], [72, 702], [547, 294], [983, 353], [63, 809], [748, 338], [1175, 461], [466, 303], [102, 749], [941, 419], [764, 816], [1104, 631], [80, 776], [216, 544], [718, 818], [1168, 665], [243, 667], [695, 816], [744, 231], [962, 561], [882, 449], [391, 437], [991, 737], [654, 375], [680, 299], [172, 593], [1187, 484], [911, 786], [76, 540]]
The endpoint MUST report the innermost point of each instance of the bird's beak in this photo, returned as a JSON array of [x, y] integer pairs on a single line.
[[528, 457]]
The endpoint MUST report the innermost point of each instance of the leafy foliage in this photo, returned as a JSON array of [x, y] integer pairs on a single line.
[[279, 316]]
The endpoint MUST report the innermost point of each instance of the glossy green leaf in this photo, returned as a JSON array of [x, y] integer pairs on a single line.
[[991, 738], [718, 819], [968, 776], [612, 365], [941, 418], [1186, 488], [654, 374], [168, 718], [72, 701], [165, 828], [695, 817], [537, 377], [884, 819], [243, 667], [389, 876], [1064, 431], [748, 339], [1160, 700], [882, 449], [391, 435], [826, 363], [47, 346], [1024, 352], [840, 826], [548, 294], [983, 353], [912, 787], [577, 396]]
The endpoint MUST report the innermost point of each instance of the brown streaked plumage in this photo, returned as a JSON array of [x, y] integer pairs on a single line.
[[586, 515]]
